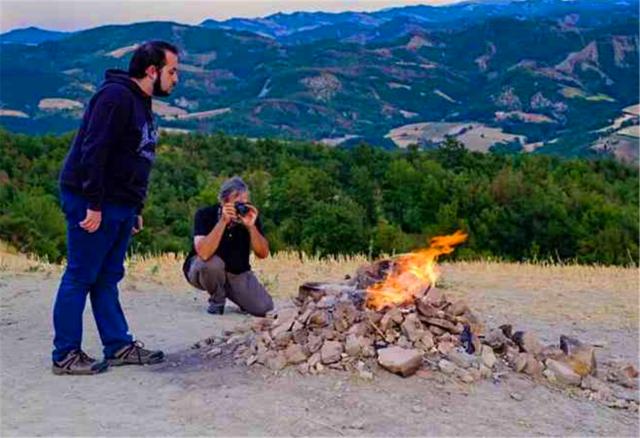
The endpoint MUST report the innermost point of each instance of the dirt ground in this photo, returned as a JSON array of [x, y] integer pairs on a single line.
[[190, 394]]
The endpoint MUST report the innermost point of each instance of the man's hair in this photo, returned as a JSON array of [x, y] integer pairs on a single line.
[[147, 54], [233, 184]]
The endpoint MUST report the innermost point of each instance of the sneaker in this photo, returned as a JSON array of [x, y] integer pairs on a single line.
[[136, 354], [77, 362], [215, 309]]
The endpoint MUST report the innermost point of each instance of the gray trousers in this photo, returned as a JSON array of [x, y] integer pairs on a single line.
[[243, 289]]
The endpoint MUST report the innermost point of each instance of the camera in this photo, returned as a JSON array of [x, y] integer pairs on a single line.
[[242, 209]]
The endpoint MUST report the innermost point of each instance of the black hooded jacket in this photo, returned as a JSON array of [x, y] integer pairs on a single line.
[[111, 156]]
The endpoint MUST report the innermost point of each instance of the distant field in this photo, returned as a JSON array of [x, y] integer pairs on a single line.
[[476, 136]]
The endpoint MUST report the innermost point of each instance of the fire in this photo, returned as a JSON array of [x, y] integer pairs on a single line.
[[412, 273]]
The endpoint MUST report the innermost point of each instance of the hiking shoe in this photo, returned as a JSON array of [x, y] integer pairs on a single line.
[[136, 354], [215, 309], [77, 362]]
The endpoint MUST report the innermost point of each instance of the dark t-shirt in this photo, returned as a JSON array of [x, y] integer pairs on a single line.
[[235, 244]]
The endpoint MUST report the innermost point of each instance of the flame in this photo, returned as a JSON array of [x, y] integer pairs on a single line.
[[413, 273]]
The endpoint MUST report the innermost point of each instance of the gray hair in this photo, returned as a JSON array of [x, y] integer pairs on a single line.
[[233, 184]]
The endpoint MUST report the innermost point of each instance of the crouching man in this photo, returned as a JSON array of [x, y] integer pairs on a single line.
[[224, 234]]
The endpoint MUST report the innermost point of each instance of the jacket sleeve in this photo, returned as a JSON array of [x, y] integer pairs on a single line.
[[105, 125]]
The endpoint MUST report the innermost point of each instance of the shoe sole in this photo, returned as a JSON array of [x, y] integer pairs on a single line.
[[120, 362], [58, 371]]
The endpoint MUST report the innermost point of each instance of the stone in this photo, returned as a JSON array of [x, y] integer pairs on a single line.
[[314, 359], [549, 375], [303, 368], [624, 374], [593, 384], [445, 347], [443, 324], [446, 367], [412, 328], [282, 339], [285, 319], [319, 318], [436, 331], [295, 354], [331, 352], [344, 315], [466, 377], [435, 297], [462, 359], [485, 372], [402, 361], [214, 352], [426, 308], [496, 339], [533, 367], [528, 342], [425, 342], [516, 396], [563, 372], [520, 362], [358, 329], [458, 308], [392, 316], [581, 357], [314, 343], [275, 361], [488, 357], [326, 302]]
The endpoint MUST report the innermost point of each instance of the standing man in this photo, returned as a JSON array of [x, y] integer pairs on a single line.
[[223, 237], [103, 185]]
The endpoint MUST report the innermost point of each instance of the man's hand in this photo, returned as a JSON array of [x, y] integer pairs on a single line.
[[138, 225], [92, 221], [249, 219], [228, 213]]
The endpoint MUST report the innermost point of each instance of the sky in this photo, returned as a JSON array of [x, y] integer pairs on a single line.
[[71, 15]]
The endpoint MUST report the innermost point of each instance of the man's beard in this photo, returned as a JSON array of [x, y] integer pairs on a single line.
[[157, 88]]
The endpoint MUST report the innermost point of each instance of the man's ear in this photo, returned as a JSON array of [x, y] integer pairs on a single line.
[[152, 72]]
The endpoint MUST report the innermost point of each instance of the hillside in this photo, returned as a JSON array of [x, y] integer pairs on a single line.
[[547, 83]]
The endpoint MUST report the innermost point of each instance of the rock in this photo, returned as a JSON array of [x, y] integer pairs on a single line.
[[437, 331], [520, 362], [446, 367], [549, 375], [488, 357], [319, 318], [516, 396], [412, 328], [435, 297], [443, 324], [462, 359], [326, 302], [507, 330], [593, 384], [314, 359], [358, 329], [426, 308], [314, 343], [303, 368], [563, 372], [284, 321], [330, 352], [581, 357], [295, 354], [358, 425], [356, 346], [392, 316], [417, 409], [214, 352], [533, 367], [400, 360], [624, 374], [365, 375], [344, 315], [425, 342], [458, 308], [552, 352], [282, 339], [275, 361], [467, 377], [445, 347], [496, 339], [485, 372], [528, 342]]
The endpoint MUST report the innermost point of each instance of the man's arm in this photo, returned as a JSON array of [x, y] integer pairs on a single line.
[[259, 243], [207, 245]]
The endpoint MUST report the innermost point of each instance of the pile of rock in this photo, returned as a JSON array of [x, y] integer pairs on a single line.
[[330, 326]]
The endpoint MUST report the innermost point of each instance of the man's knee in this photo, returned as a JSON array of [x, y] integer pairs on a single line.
[[210, 269], [261, 307]]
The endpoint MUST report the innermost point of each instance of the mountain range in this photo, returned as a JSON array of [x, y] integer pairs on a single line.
[[536, 75]]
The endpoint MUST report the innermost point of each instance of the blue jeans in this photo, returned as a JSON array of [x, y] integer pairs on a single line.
[[95, 265]]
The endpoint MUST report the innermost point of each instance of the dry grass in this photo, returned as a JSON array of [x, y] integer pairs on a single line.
[[604, 296]]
